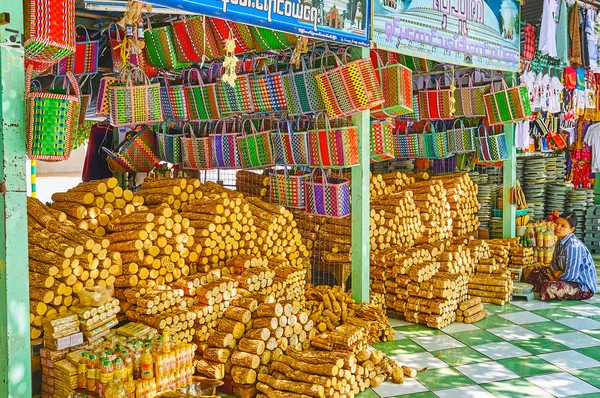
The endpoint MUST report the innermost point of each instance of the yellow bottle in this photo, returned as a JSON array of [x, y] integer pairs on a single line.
[[147, 362]]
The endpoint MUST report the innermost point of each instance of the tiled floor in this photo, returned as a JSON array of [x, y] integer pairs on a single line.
[[523, 349]]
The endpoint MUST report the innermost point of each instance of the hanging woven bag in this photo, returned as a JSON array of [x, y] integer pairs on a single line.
[[49, 30], [160, 48], [396, 83], [194, 39], [195, 151], [52, 119], [327, 196], [333, 147], [84, 60]]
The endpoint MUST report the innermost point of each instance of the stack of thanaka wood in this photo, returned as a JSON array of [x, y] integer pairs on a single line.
[[430, 198], [63, 259], [155, 245], [92, 205], [174, 192], [492, 281], [96, 322], [471, 311], [162, 308], [308, 226], [253, 184], [327, 374], [521, 257], [216, 354], [461, 194]]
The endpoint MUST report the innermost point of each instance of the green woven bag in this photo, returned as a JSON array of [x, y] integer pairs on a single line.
[[161, 49], [52, 119], [267, 39]]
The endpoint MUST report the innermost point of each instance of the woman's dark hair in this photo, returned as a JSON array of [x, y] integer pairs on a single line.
[[571, 218]]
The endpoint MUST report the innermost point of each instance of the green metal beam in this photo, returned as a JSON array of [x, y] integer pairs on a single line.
[[15, 357], [361, 246], [509, 212]]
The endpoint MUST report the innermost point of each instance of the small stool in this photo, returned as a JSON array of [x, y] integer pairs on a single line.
[[523, 290]]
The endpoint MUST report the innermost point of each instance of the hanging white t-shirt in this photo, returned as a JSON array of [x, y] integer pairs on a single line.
[[547, 43], [522, 135], [556, 88], [592, 138]]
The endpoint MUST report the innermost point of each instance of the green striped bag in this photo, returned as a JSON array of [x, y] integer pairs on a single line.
[[301, 91], [267, 39], [168, 142], [507, 104], [201, 98], [255, 148], [161, 49], [52, 119]]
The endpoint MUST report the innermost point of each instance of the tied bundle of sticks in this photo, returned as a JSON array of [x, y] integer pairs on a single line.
[[434, 302], [389, 273], [217, 357], [92, 205], [471, 311], [264, 342], [430, 199], [211, 294], [328, 374], [252, 184], [461, 194], [63, 259], [308, 227], [175, 192], [163, 308], [492, 281], [156, 246], [96, 321], [521, 257], [389, 183]]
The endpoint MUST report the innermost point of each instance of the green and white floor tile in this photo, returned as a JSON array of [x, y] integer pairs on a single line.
[[523, 349]]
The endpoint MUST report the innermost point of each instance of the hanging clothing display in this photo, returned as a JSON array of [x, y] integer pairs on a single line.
[[547, 44], [562, 34], [575, 57], [592, 138], [592, 39]]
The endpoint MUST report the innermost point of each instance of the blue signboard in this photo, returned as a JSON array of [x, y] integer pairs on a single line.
[[478, 33], [343, 21]]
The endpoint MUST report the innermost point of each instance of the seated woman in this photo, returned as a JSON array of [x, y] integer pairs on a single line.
[[572, 273]]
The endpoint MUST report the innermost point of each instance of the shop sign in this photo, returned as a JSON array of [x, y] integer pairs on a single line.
[[344, 21], [478, 33]]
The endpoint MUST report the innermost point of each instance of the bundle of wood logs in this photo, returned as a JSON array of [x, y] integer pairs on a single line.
[[97, 321], [63, 259], [164, 309], [461, 194], [430, 199], [92, 205], [328, 374], [471, 311]]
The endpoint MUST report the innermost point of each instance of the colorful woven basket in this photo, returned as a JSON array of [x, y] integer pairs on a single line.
[[333, 147], [134, 100], [287, 188], [265, 39], [173, 101], [435, 104], [302, 91], [469, 99], [268, 94], [224, 147], [381, 141], [201, 98], [255, 148], [507, 104], [414, 115], [84, 60], [416, 64], [137, 153], [461, 139], [52, 120], [291, 147], [327, 196], [406, 145], [168, 144], [236, 99], [195, 151], [160, 48], [49, 30], [349, 88], [194, 39], [491, 148], [103, 99], [240, 32], [396, 84]]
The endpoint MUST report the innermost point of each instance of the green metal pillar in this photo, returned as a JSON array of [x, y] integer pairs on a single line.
[[361, 244], [15, 357], [597, 190], [509, 213]]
